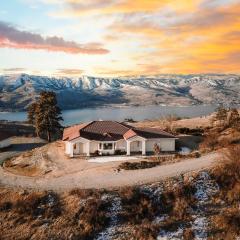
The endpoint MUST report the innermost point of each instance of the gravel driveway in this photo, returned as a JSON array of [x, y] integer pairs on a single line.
[[108, 178]]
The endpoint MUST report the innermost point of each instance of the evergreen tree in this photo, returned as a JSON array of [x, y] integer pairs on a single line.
[[234, 118], [221, 116], [31, 113], [45, 114]]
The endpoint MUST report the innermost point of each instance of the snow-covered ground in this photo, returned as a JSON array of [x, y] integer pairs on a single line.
[[205, 189], [114, 210]]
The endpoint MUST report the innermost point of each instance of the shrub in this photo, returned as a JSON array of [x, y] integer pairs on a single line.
[[188, 234], [138, 165], [145, 231], [210, 142], [96, 153], [47, 205], [90, 218], [118, 152], [227, 173], [6, 206], [137, 206]]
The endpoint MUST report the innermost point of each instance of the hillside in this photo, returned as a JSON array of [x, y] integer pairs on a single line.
[[18, 91]]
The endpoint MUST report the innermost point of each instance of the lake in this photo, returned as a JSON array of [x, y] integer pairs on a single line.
[[119, 114]]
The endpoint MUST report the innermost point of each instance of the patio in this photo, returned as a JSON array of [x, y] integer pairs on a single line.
[[105, 159]]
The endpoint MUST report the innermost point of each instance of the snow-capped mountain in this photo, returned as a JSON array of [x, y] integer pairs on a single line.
[[18, 91]]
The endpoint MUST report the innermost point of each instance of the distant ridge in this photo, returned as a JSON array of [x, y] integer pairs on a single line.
[[18, 91]]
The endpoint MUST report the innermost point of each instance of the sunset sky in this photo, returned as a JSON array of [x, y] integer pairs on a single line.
[[119, 37]]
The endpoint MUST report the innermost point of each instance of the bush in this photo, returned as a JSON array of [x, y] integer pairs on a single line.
[[210, 142], [227, 173], [189, 131], [47, 205], [145, 231], [90, 218], [138, 165], [137, 206], [188, 234], [6, 206], [96, 153], [118, 152]]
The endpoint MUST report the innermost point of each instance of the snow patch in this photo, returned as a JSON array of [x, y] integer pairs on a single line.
[[205, 189], [114, 210], [164, 235]]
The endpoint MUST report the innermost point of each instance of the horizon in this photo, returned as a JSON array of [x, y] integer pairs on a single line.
[[119, 76], [119, 38]]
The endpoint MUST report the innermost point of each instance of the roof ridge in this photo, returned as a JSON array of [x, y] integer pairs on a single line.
[[87, 124], [123, 125]]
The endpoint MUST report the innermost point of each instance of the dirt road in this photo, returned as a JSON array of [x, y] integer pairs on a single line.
[[106, 178]]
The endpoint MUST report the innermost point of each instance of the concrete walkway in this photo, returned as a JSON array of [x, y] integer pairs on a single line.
[[104, 159], [106, 178]]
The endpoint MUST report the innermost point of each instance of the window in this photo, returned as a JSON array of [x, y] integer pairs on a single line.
[[107, 146], [100, 146], [75, 146]]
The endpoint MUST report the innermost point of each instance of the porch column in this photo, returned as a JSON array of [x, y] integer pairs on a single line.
[[128, 148], [144, 147], [88, 148], [71, 149]]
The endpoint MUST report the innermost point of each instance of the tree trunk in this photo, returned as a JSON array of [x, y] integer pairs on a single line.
[[49, 136], [37, 132]]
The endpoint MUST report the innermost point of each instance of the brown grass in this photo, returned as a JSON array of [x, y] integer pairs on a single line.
[[137, 206], [227, 173], [47, 215]]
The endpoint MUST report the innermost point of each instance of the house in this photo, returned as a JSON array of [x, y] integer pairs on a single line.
[[111, 137], [5, 139]]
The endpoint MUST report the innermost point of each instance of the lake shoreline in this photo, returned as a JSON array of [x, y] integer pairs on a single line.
[[139, 113]]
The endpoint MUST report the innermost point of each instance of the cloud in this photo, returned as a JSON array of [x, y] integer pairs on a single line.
[[13, 70], [217, 3], [67, 71], [168, 20], [12, 37], [90, 5]]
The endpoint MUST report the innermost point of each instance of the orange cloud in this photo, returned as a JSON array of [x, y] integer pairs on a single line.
[[13, 38], [67, 71]]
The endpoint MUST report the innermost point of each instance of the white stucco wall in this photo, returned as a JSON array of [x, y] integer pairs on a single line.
[[93, 147], [166, 144], [67, 150], [121, 145], [5, 143], [136, 146]]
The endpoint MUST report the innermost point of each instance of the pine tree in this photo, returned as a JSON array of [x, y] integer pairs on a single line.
[[234, 118], [31, 113], [221, 116], [45, 115]]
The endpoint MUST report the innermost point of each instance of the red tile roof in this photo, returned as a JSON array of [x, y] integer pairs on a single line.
[[111, 131], [73, 132], [152, 133]]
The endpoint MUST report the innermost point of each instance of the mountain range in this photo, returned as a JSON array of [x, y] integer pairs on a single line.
[[18, 91]]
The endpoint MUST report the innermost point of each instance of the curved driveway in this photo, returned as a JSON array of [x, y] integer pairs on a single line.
[[107, 178]]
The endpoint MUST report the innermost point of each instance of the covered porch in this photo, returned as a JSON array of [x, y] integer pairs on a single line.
[[136, 145], [81, 146], [88, 148]]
